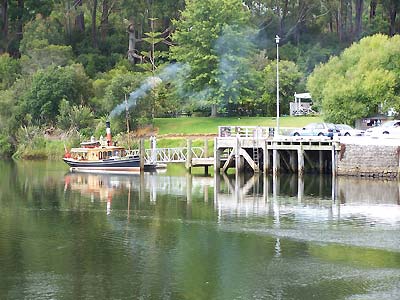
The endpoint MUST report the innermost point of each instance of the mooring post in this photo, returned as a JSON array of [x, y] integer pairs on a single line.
[[265, 157], [238, 160], [189, 155], [206, 148], [333, 160], [206, 155], [276, 162], [141, 154], [321, 161], [217, 157], [300, 160]]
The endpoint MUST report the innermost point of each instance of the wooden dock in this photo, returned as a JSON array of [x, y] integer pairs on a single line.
[[254, 148]]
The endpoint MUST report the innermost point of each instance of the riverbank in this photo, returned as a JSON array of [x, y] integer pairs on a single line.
[[170, 133]]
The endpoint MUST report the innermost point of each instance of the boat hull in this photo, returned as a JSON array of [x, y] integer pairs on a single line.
[[119, 165]]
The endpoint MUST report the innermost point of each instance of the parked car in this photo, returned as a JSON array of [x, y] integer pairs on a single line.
[[317, 129], [390, 127], [347, 130]]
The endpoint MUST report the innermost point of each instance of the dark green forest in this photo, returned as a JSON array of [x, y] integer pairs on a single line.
[[68, 65]]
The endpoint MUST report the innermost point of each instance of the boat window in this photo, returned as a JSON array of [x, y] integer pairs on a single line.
[[105, 154], [109, 153], [100, 155]]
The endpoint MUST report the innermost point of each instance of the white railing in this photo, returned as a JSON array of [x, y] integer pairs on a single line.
[[245, 131], [168, 154], [253, 132]]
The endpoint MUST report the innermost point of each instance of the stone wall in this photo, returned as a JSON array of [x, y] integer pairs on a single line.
[[377, 160]]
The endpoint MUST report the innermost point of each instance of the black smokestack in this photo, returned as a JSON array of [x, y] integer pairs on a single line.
[[108, 132]]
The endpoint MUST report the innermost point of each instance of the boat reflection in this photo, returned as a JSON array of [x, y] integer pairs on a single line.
[[102, 187]]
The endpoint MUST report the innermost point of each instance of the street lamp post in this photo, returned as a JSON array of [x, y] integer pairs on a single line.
[[277, 38]]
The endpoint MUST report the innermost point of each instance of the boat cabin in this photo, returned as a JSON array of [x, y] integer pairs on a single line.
[[98, 153]]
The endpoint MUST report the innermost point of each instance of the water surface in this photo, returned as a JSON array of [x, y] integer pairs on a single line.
[[178, 236]]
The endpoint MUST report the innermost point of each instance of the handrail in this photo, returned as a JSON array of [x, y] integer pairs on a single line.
[[168, 154], [245, 131]]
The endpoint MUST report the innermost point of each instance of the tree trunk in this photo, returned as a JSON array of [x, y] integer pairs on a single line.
[[133, 56], [19, 25], [392, 11], [213, 110], [278, 12], [372, 9], [283, 17], [79, 19], [4, 17], [339, 21], [350, 18], [359, 5], [104, 19], [94, 28]]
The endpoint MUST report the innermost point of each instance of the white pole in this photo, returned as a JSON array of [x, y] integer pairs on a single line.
[[277, 38]]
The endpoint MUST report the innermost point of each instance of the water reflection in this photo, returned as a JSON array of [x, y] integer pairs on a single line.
[[307, 200], [180, 236], [97, 186]]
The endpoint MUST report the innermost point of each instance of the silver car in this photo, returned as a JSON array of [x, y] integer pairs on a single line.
[[316, 129], [347, 130], [390, 127]]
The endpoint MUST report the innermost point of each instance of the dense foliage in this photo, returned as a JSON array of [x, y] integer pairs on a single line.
[[69, 64], [364, 80]]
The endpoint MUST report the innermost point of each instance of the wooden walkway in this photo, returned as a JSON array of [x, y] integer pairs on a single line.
[[254, 148]]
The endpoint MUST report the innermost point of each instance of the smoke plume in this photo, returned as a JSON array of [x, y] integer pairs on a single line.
[[167, 74]]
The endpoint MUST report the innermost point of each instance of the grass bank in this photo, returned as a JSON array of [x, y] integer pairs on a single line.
[[203, 125], [173, 132]]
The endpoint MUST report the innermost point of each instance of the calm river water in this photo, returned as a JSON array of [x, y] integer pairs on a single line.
[[177, 236]]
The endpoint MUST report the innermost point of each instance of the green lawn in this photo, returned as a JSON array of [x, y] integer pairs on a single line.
[[207, 125]]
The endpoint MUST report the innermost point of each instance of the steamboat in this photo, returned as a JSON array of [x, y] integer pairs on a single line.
[[103, 156]]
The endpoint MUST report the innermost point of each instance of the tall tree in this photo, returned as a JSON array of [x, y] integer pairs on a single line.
[[106, 9], [359, 6], [198, 35], [372, 9], [79, 16], [20, 15], [94, 26], [392, 8], [4, 19]]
